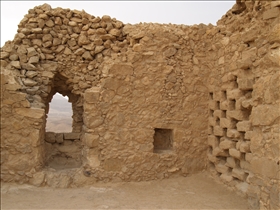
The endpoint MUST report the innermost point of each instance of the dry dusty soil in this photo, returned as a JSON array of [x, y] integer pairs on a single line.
[[193, 192]]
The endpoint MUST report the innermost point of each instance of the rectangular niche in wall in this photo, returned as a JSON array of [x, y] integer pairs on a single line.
[[163, 140]]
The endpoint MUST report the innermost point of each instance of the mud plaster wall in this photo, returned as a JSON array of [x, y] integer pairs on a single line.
[[125, 81]]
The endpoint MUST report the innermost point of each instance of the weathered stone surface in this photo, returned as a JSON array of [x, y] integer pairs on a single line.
[[30, 112], [266, 167], [265, 114], [235, 153], [71, 136], [50, 137], [227, 144], [121, 69], [91, 140], [238, 173], [271, 13]]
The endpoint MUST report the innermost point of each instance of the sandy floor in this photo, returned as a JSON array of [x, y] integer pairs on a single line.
[[193, 192]]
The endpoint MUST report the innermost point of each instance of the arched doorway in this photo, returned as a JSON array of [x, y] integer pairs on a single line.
[[63, 149]]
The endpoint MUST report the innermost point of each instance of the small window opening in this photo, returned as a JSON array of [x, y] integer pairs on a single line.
[[59, 118], [163, 140]]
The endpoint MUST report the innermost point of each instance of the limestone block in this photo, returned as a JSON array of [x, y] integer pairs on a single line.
[[245, 147], [227, 144], [234, 94], [112, 83], [271, 13], [218, 131], [92, 95], [244, 64], [225, 123], [224, 105], [229, 85], [31, 112], [231, 162], [58, 179], [93, 121], [115, 32], [59, 138], [71, 136], [213, 141], [245, 84], [50, 137], [33, 59], [222, 168], [265, 167], [47, 37], [29, 82], [236, 114], [31, 74], [232, 133], [219, 152], [244, 126], [264, 114], [245, 165], [83, 178], [213, 105], [212, 158], [16, 64], [91, 140], [218, 113], [28, 66], [226, 177], [235, 153], [239, 174]]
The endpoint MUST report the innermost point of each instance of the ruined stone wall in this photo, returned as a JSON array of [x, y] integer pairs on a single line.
[[138, 93], [244, 106], [141, 96]]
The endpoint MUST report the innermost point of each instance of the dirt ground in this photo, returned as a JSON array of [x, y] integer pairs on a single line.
[[197, 191]]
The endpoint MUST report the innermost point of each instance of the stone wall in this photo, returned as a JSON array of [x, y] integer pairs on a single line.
[[145, 99], [138, 93], [244, 105]]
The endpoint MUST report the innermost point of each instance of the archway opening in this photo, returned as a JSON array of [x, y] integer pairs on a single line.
[[60, 115], [64, 122]]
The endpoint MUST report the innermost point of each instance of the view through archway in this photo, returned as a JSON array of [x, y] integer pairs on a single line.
[[60, 115]]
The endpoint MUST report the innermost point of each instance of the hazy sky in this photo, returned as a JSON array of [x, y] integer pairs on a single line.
[[177, 12]]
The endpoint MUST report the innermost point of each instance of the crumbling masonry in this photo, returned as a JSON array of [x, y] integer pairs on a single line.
[[149, 100]]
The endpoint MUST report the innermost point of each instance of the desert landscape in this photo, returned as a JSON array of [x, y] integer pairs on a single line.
[[60, 115]]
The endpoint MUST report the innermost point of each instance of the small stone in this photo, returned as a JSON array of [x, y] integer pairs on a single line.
[[4, 55], [33, 59], [13, 57], [31, 74], [16, 64], [28, 66], [29, 82]]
